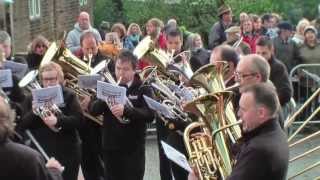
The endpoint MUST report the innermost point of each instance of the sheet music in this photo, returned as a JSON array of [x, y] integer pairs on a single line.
[[111, 93], [18, 69], [176, 156], [49, 95], [158, 107], [6, 78], [88, 81]]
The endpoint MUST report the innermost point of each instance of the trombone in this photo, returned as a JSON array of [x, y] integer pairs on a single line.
[[292, 144]]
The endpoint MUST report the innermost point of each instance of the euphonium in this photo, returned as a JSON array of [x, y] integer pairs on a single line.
[[210, 155]]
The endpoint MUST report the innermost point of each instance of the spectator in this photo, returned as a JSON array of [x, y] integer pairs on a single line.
[[37, 49], [267, 26], [199, 55], [298, 37], [121, 31], [256, 21], [134, 34], [248, 34], [82, 24], [103, 29], [284, 48], [233, 37], [217, 33]]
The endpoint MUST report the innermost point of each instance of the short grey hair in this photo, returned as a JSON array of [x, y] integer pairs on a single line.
[[260, 65], [265, 94], [5, 38]]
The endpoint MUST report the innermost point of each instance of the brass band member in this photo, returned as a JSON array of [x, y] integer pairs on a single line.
[[124, 144], [19, 161], [90, 132], [64, 142], [264, 152], [264, 140]]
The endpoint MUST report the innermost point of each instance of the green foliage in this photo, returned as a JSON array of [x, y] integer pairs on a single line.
[[197, 15]]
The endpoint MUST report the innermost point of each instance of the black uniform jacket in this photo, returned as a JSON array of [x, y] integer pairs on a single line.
[[21, 162], [132, 135], [56, 143], [264, 154], [280, 78]]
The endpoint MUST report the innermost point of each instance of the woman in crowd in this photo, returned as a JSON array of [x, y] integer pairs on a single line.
[[37, 49]]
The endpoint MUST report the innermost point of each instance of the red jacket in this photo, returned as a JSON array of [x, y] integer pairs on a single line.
[[251, 41]]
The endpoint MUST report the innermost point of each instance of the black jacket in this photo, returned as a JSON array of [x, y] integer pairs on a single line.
[[22, 162], [117, 135], [34, 60], [264, 154], [280, 78], [56, 143]]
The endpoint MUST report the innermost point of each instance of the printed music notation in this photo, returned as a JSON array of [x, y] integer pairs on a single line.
[[6, 78], [88, 81], [113, 94], [46, 96], [18, 69]]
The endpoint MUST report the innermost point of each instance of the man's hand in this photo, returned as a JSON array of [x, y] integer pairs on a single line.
[[117, 110], [50, 120], [53, 163]]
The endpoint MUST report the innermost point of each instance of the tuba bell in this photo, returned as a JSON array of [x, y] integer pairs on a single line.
[[209, 149]]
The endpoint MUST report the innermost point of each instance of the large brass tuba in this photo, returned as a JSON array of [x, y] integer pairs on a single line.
[[209, 149]]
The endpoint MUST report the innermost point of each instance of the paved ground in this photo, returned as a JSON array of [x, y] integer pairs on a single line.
[[152, 161]]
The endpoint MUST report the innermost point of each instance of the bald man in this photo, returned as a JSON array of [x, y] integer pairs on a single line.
[[82, 25]]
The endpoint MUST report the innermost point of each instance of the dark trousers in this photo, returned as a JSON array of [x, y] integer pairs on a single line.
[[165, 165], [124, 164], [71, 162], [92, 162]]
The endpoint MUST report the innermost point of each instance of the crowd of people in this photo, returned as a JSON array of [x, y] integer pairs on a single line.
[[259, 52]]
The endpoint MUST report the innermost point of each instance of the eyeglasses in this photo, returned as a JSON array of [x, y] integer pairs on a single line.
[[240, 76], [49, 79], [41, 46]]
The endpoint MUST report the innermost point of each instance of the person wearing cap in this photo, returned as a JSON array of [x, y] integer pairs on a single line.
[[285, 49], [310, 51], [217, 33], [233, 36], [103, 29]]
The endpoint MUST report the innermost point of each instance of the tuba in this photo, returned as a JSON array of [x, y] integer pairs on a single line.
[[208, 149]]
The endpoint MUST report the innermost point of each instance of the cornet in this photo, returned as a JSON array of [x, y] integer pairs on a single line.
[[30, 81]]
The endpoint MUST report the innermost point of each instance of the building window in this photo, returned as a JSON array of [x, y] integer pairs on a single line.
[[83, 2], [34, 9]]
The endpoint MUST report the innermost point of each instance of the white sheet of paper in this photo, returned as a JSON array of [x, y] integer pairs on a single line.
[[116, 94], [6, 78], [88, 81], [158, 107], [18, 69], [49, 95], [176, 156]]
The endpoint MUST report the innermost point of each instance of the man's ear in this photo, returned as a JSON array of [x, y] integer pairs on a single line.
[[262, 112]]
